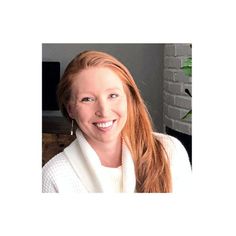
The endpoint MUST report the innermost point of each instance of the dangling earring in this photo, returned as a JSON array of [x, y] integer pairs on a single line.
[[72, 128]]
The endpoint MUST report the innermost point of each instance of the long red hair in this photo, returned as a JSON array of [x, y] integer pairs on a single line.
[[150, 158]]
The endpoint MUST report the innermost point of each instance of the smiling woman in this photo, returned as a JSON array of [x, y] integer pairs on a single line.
[[99, 106], [114, 135]]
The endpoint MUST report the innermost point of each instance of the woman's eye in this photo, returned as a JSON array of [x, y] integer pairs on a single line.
[[114, 95], [87, 99]]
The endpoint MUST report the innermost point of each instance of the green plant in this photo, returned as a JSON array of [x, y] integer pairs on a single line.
[[187, 68]]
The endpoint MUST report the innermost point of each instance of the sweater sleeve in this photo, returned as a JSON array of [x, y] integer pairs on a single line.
[[48, 178]]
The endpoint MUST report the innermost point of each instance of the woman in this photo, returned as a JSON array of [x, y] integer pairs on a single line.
[[116, 149]]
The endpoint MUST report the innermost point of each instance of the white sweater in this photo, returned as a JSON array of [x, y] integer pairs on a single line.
[[78, 169]]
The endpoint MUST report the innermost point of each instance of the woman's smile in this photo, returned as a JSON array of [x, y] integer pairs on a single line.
[[104, 125]]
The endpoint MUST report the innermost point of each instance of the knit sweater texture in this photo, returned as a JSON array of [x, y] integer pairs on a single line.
[[78, 169]]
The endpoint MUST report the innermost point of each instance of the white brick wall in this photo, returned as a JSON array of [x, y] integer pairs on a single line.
[[176, 102]]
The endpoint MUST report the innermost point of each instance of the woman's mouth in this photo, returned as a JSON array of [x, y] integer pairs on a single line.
[[104, 125]]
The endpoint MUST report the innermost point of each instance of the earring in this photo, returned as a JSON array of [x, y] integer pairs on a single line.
[[72, 128]]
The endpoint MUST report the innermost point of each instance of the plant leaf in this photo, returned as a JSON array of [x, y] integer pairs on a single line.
[[189, 113], [187, 91], [188, 62], [187, 67], [187, 71]]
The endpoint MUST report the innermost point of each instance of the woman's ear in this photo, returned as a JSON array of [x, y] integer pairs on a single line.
[[70, 110]]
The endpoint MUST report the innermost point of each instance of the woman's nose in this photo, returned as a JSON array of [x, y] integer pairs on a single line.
[[102, 108]]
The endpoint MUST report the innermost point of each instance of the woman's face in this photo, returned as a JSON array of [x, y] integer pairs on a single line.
[[98, 104]]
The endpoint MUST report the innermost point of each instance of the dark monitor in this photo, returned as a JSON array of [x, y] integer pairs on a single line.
[[51, 78]]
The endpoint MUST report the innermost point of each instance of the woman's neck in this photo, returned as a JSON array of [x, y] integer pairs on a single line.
[[109, 153]]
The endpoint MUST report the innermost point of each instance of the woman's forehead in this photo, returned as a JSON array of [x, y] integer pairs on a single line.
[[98, 78]]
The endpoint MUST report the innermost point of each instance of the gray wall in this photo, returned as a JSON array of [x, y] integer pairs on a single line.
[[145, 62]]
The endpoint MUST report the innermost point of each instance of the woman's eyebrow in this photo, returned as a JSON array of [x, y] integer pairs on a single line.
[[88, 93], [116, 88]]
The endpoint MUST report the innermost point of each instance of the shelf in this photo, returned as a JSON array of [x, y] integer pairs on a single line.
[[55, 125]]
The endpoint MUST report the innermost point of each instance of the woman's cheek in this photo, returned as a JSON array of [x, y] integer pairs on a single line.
[[121, 108], [81, 113]]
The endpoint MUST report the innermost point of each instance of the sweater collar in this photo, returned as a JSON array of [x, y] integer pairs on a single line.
[[86, 164]]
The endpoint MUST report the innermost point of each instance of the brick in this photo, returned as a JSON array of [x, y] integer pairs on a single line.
[[165, 109], [179, 76], [169, 98], [173, 62], [182, 127], [183, 50], [175, 88], [174, 112], [183, 101], [169, 74], [166, 85], [169, 50], [168, 122]]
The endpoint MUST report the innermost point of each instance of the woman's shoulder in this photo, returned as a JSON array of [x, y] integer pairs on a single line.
[[179, 161], [59, 176], [169, 142], [174, 149], [55, 166], [56, 162]]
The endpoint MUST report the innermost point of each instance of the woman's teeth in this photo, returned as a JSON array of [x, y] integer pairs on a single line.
[[104, 125]]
